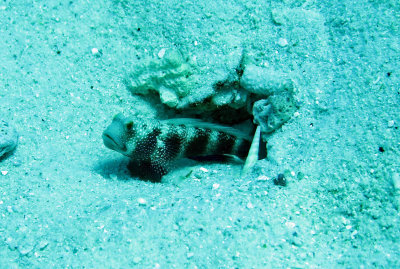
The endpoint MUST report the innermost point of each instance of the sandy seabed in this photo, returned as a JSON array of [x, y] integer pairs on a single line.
[[68, 202]]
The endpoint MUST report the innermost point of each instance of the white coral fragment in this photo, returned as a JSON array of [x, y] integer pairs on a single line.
[[169, 74], [264, 81], [168, 96]]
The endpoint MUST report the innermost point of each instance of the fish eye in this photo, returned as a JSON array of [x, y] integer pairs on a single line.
[[129, 125]]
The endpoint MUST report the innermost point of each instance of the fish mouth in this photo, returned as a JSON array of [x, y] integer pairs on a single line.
[[111, 143]]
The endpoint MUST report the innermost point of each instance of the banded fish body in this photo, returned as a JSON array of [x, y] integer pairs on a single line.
[[152, 145]]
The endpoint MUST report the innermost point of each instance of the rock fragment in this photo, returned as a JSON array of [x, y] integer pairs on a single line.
[[8, 139], [271, 113]]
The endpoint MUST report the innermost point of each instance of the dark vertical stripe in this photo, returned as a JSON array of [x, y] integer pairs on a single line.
[[198, 143], [173, 143], [243, 149], [225, 143]]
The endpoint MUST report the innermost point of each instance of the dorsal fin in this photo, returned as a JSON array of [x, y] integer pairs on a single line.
[[207, 125]]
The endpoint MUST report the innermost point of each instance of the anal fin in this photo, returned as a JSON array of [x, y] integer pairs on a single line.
[[225, 158]]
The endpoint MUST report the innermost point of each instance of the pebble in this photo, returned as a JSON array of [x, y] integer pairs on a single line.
[[215, 186], [205, 170], [96, 52], [263, 178], [25, 249], [190, 254], [137, 260], [280, 180], [282, 42], [8, 138], [43, 244], [290, 224], [142, 201], [161, 53]]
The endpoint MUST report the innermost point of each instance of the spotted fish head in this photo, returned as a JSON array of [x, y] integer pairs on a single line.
[[119, 133]]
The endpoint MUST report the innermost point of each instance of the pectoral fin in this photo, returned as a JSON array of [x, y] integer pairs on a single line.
[[147, 170]]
